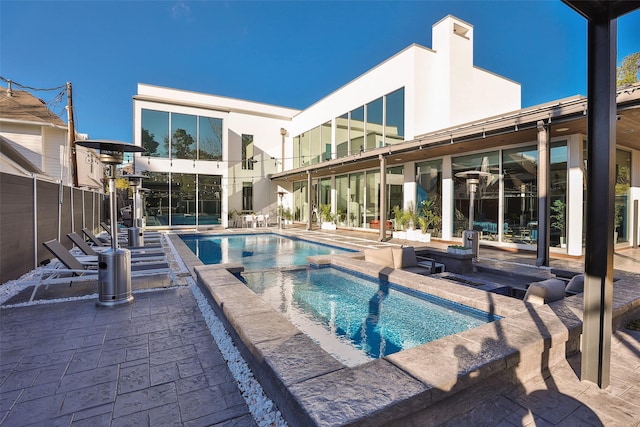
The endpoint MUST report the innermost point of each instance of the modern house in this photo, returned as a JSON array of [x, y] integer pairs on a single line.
[[423, 117]]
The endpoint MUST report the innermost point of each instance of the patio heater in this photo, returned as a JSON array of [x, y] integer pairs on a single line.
[[470, 237], [114, 264], [281, 194], [136, 237]]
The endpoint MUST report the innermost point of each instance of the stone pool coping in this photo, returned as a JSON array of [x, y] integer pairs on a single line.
[[310, 387]]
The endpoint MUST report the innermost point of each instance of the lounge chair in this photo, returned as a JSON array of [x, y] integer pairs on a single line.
[[143, 252], [73, 269], [401, 258], [151, 239]]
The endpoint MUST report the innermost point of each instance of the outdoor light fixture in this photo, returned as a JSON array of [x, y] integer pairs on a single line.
[[114, 264], [471, 236]]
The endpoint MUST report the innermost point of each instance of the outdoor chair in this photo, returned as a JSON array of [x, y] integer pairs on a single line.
[[148, 253], [71, 269]]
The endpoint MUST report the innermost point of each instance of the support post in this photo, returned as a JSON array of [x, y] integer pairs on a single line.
[[601, 150], [309, 200], [544, 161], [383, 198]]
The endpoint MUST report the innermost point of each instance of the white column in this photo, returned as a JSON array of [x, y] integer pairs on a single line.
[[409, 187], [575, 190], [447, 199]]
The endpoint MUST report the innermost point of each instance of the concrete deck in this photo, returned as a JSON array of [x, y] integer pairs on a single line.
[[154, 363]]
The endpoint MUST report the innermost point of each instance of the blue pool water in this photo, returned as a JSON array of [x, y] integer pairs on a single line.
[[339, 309], [256, 251]]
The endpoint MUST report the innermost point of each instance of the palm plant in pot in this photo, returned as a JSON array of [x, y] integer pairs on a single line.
[[327, 218]]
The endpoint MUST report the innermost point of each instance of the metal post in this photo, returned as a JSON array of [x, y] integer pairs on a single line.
[[383, 198], [544, 161], [309, 199], [601, 151], [635, 223]]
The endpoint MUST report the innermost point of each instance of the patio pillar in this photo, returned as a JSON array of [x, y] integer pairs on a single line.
[[544, 160], [601, 154], [383, 198], [601, 151], [309, 200]]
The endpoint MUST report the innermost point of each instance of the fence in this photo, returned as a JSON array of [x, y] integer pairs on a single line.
[[33, 211]]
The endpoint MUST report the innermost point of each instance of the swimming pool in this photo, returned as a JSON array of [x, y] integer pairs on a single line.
[[256, 251], [357, 318]]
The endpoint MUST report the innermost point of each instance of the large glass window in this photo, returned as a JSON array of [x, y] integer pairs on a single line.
[[314, 145], [210, 138], [305, 150], [326, 141], [300, 201], [156, 200], [429, 187], [191, 136], [183, 136], [558, 200], [373, 197], [324, 188], [356, 202], [623, 182], [296, 152], [155, 133], [342, 199], [209, 199], [342, 136], [247, 152], [183, 199], [375, 136], [520, 171], [395, 189], [356, 130], [394, 115], [486, 196], [247, 196]]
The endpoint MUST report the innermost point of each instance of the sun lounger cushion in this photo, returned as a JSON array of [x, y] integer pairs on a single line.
[[382, 256], [544, 292], [576, 284], [404, 257]]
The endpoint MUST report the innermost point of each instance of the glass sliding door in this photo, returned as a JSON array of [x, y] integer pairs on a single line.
[[520, 212], [356, 199], [558, 199], [372, 201], [342, 200], [209, 199], [486, 197], [429, 187]]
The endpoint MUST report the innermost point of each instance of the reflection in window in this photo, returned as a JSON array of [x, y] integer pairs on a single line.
[[486, 197], [375, 137], [296, 152], [156, 200], [342, 136], [247, 196], [372, 210], [356, 199], [305, 152], [558, 199], [326, 141], [520, 171], [623, 182], [183, 136], [155, 133], [210, 138], [247, 152], [394, 123], [342, 198], [314, 145], [191, 136], [183, 199], [209, 199], [429, 186], [301, 210], [356, 130]]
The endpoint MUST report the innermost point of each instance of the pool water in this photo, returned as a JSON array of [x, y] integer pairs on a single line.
[[256, 251], [357, 318]]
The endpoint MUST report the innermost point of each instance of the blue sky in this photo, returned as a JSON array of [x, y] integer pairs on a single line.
[[277, 52]]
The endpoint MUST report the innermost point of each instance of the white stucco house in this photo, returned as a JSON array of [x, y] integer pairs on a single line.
[[421, 116]]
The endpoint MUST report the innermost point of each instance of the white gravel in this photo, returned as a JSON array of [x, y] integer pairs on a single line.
[[264, 411]]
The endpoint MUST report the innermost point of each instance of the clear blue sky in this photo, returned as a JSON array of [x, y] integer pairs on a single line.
[[283, 53]]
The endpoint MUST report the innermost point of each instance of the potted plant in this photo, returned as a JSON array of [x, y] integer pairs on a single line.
[[427, 218], [287, 215], [558, 219], [327, 218], [400, 221]]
